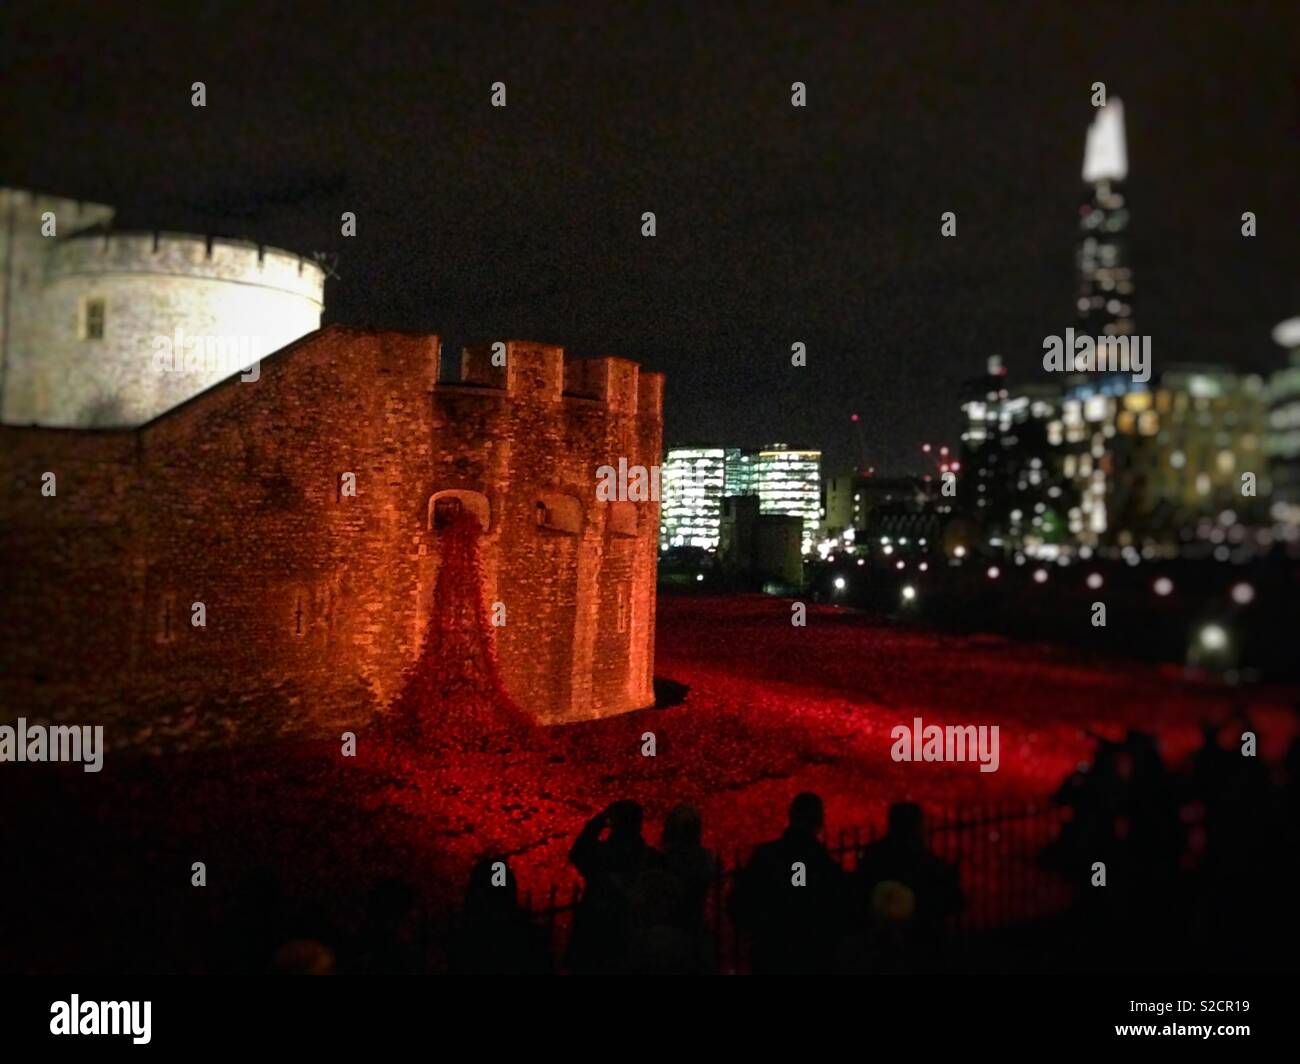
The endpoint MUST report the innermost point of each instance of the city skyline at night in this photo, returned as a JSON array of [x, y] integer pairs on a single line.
[[820, 225]]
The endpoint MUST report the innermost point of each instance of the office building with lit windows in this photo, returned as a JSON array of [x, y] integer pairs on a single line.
[[1282, 438], [693, 482], [1180, 451], [786, 480], [696, 480], [1014, 486]]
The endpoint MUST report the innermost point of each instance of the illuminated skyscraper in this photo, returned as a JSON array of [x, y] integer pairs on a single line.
[[1105, 279], [1085, 431]]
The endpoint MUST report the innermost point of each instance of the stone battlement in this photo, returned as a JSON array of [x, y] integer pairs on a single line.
[[542, 373], [70, 215], [188, 255]]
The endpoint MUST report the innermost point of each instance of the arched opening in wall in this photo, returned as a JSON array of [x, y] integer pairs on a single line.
[[444, 506], [445, 511], [558, 513], [622, 518]]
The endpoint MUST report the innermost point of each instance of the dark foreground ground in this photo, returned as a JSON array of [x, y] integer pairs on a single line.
[[98, 867]]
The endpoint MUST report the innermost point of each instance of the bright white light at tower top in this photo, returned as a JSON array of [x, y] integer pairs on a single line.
[[1106, 156]]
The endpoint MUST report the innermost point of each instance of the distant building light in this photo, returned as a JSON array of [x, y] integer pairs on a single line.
[[994, 572], [1214, 637], [1243, 594], [1095, 580], [909, 593], [699, 577], [1040, 576], [1164, 586]]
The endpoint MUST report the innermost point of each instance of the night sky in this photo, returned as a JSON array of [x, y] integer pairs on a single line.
[[775, 224]]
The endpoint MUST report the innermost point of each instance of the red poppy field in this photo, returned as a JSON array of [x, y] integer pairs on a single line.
[[769, 710]]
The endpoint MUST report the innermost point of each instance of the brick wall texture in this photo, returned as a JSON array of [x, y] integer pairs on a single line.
[[316, 601]]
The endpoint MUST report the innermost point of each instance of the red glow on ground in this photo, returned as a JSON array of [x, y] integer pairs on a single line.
[[772, 709]]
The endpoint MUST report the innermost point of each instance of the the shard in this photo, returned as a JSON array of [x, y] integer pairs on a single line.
[[1106, 156]]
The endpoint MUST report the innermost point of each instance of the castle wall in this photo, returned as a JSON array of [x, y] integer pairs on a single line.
[[316, 602], [232, 501]]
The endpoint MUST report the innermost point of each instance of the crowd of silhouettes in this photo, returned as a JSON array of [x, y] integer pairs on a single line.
[[1191, 861], [643, 909], [1177, 865]]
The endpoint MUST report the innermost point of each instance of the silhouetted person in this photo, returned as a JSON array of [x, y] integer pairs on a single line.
[[668, 898], [1240, 812], [1154, 834], [609, 867], [905, 892], [496, 935], [1095, 792], [790, 896]]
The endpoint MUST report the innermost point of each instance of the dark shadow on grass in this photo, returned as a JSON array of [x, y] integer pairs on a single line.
[[669, 693]]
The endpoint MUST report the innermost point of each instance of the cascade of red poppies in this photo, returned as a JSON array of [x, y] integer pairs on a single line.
[[454, 693]]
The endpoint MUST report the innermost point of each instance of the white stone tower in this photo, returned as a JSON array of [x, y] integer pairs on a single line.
[[100, 328]]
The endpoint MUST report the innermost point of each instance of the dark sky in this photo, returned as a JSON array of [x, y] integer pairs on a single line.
[[775, 224]]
